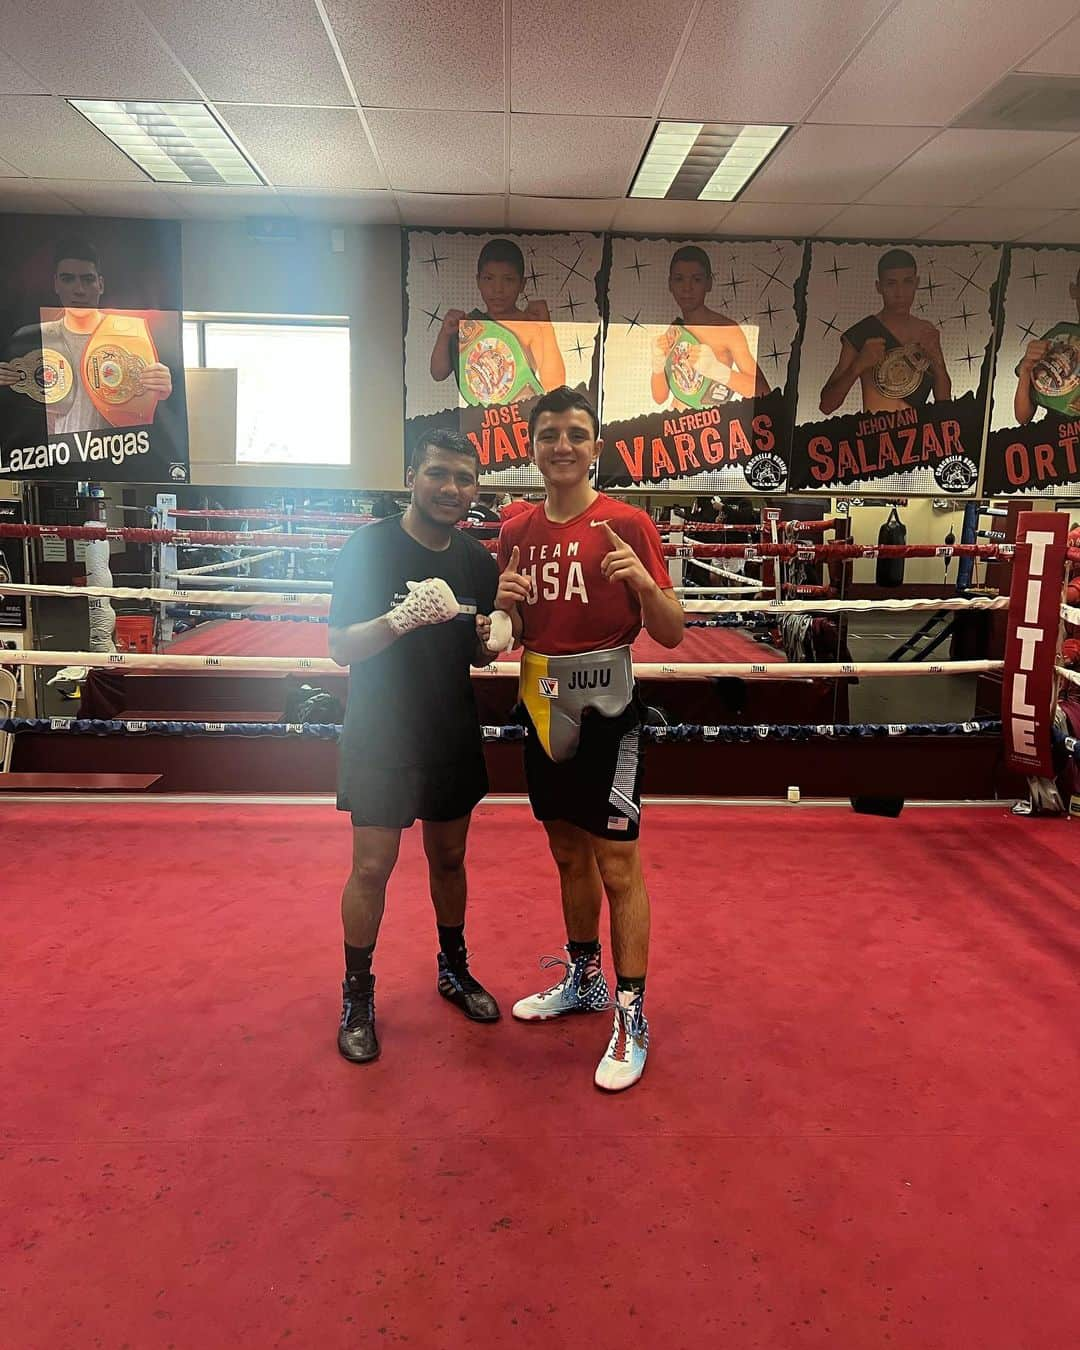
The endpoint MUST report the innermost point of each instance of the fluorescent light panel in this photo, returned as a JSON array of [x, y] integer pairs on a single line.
[[706, 161], [171, 142]]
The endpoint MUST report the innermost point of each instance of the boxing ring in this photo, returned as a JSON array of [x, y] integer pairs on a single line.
[[719, 687]]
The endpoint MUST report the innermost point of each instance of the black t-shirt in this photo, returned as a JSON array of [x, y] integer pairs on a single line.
[[412, 704]]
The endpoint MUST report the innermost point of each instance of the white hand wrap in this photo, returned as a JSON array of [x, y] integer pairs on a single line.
[[706, 363], [501, 638], [428, 602]]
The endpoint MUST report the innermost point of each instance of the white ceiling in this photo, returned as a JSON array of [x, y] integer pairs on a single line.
[[450, 112]]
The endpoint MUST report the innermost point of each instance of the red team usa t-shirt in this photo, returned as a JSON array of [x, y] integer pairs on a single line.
[[576, 608]]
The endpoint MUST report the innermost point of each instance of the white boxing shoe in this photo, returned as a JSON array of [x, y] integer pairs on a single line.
[[624, 1060]]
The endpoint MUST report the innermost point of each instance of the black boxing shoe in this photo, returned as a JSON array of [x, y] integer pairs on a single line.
[[356, 1038], [457, 984]]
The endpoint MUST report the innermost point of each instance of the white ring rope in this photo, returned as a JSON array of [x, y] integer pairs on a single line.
[[643, 670], [229, 599], [726, 572], [703, 592], [252, 582], [692, 606], [226, 566]]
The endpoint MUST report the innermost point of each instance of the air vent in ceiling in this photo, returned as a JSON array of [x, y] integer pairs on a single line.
[[1027, 103]]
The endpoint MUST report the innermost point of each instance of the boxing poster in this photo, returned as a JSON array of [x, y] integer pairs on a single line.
[[895, 368], [699, 351], [91, 366], [12, 568], [492, 322], [1034, 443]]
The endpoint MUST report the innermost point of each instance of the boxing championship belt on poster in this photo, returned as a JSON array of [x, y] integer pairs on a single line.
[[1055, 380], [688, 385], [1031, 641], [46, 375], [900, 372], [493, 368], [119, 350]]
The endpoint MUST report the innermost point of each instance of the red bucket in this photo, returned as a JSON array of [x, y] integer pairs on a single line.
[[134, 633]]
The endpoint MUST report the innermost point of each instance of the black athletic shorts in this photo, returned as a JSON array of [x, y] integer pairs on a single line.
[[599, 789], [394, 799]]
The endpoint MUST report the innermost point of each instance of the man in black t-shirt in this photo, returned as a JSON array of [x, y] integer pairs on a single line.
[[409, 616]]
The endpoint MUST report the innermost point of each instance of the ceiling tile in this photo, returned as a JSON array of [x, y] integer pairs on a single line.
[[576, 156], [640, 215], [24, 195], [343, 208], [600, 60], [552, 213], [444, 54], [881, 222], [46, 138], [789, 220], [927, 61], [226, 203], [767, 61], [995, 225], [10, 171], [250, 52], [831, 164], [421, 208], [1055, 181], [958, 166], [426, 151], [1059, 56], [15, 80], [1061, 230], [85, 50], [305, 147]]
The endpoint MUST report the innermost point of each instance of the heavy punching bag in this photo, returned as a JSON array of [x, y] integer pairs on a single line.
[[890, 571]]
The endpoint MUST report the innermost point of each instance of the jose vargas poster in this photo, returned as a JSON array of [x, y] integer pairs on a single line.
[[492, 321]]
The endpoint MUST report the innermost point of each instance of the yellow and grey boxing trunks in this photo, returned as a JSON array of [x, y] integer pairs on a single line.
[[558, 690]]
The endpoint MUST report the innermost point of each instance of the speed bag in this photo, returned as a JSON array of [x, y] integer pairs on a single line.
[[890, 571]]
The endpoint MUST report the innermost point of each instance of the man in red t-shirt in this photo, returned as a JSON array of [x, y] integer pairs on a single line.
[[581, 575]]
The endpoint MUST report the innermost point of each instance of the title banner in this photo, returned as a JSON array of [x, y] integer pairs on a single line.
[[1027, 691], [91, 365], [895, 368]]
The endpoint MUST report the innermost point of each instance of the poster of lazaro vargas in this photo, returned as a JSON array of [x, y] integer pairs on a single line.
[[895, 368], [91, 365], [698, 354], [1034, 443], [492, 322]]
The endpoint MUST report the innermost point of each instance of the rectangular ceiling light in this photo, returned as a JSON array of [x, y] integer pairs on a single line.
[[707, 161], [172, 142]]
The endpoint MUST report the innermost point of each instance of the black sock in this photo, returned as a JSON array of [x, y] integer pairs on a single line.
[[626, 984], [578, 950], [452, 941], [358, 962]]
